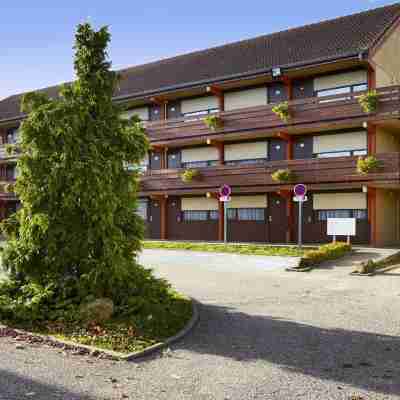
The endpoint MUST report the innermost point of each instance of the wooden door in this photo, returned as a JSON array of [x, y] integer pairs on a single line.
[[303, 147], [174, 159], [277, 218], [155, 112], [303, 88], [277, 150], [277, 92], [154, 219], [155, 160], [174, 110]]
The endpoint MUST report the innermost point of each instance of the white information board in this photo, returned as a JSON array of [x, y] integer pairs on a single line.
[[341, 226]]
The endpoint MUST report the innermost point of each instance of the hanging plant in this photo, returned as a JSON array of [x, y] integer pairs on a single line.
[[283, 175], [213, 122], [366, 165], [189, 175], [9, 188], [369, 101], [282, 111]]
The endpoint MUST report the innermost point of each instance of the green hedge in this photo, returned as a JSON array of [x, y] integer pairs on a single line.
[[326, 252]]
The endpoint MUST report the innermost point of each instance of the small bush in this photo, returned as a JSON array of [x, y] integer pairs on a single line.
[[213, 122], [189, 175], [369, 101], [326, 252], [97, 311], [282, 111], [283, 175], [365, 165]]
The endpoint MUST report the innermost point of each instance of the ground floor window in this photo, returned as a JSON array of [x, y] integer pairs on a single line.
[[323, 215], [200, 164], [142, 209], [246, 214], [190, 215]]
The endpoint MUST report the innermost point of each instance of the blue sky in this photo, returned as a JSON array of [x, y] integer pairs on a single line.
[[36, 36]]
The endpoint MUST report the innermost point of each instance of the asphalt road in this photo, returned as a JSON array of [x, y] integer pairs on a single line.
[[263, 334]]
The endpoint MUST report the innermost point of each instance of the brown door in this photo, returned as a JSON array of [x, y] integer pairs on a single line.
[[154, 220], [277, 219], [277, 92], [277, 150], [242, 230], [312, 230], [174, 216]]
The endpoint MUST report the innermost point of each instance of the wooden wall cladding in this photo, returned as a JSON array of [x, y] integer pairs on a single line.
[[310, 171], [304, 112]]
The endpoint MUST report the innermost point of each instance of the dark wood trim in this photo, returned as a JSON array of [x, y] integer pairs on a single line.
[[371, 135]]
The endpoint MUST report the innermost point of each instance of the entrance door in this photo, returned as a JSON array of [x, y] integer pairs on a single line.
[[277, 150], [155, 219], [277, 92], [155, 160], [277, 218]]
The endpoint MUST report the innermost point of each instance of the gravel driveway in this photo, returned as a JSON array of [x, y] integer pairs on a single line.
[[263, 334]]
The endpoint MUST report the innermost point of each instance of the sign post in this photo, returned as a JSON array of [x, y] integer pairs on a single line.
[[225, 196], [300, 192]]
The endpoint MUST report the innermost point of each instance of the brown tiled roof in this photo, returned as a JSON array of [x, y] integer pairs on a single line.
[[323, 41]]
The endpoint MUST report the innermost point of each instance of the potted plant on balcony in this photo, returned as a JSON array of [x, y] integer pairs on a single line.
[[9, 188], [282, 111], [366, 165], [11, 149], [189, 175], [213, 122], [283, 175], [369, 101]]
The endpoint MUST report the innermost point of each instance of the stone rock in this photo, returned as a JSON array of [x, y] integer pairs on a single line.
[[97, 311]]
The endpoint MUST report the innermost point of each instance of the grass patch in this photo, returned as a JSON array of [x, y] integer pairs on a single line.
[[124, 335], [247, 249]]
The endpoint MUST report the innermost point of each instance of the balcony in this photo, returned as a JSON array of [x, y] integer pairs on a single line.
[[317, 173], [306, 114]]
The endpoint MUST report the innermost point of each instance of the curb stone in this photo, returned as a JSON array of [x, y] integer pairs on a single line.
[[97, 351]]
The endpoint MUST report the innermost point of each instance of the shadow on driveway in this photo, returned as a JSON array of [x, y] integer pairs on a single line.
[[14, 386], [361, 359]]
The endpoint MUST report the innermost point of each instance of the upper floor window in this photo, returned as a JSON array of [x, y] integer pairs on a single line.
[[199, 106], [341, 83], [12, 136], [246, 153], [340, 144], [199, 157]]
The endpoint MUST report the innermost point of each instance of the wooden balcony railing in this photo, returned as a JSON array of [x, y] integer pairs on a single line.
[[340, 170], [304, 113]]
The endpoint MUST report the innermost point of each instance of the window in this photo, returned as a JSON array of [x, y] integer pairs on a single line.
[[199, 164], [247, 162], [361, 152], [142, 209], [190, 215], [246, 214], [12, 135], [214, 215], [200, 113], [323, 215], [342, 90]]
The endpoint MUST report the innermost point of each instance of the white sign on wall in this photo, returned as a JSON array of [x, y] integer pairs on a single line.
[[341, 226]]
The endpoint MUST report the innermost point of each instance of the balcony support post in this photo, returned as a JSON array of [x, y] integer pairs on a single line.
[[372, 214], [371, 133], [221, 153], [164, 219], [217, 92], [221, 226], [287, 194], [371, 78]]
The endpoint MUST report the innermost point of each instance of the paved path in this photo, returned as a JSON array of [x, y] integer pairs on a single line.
[[263, 334]]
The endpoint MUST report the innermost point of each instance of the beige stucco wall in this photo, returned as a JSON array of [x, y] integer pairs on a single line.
[[387, 217], [387, 61], [387, 142]]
